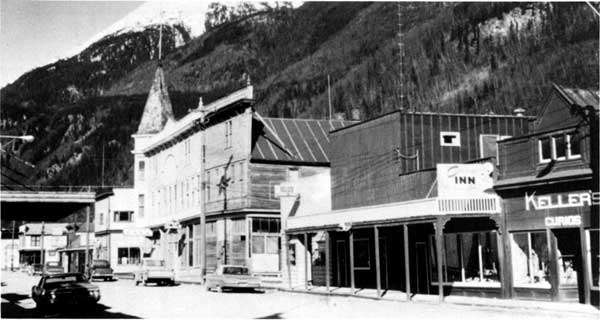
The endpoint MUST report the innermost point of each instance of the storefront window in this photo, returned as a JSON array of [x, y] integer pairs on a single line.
[[128, 256], [258, 244], [265, 235], [470, 258], [272, 244], [530, 259], [362, 258], [594, 256]]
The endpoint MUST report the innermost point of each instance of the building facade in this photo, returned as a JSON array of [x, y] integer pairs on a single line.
[[118, 237], [548, 183], [402, 186], [215, 169], [40, 242]]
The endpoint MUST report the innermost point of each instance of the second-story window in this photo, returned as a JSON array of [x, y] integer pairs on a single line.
[[141, 205], [559, 147], [228, 131], [142, 170], [35, 241], [123, 216], [101, 219]]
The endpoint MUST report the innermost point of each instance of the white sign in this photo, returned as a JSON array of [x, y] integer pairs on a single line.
[[464, 180], [563, 221], [284, 190], [570, 200]]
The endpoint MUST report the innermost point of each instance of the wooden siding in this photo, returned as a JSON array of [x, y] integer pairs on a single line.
[[369, 164], [263, 178]]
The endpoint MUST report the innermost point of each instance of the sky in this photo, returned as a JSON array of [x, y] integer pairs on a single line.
[[36, 33]]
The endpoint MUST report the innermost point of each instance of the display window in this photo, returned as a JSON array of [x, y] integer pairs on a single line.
[[594, 257], [530, 259]]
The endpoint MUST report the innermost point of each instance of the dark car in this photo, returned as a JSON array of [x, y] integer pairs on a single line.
[[64, 289], [35, 269], [54, 267], [101, 270], [231, 277]]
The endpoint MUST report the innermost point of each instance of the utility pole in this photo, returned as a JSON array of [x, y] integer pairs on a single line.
[[12, 248], [203, 198], [42, 258], [87, 239]]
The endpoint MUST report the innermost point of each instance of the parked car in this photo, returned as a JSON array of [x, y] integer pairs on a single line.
[[154, 270], [101, 270], [62, 289], [231, 277], [54, 267], [35, 269]]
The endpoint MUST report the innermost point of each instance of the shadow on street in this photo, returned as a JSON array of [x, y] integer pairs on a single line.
[[12, 309]]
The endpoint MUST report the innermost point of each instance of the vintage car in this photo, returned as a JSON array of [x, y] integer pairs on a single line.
[[154, 270], [53, 267], [101, 270], [35, 269], [64, 289], [231, 277]]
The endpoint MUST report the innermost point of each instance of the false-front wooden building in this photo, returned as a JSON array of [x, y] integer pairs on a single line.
[[548, 181], [413, 208]]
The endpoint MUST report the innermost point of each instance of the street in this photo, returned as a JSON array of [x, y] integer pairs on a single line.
[[122, 299]]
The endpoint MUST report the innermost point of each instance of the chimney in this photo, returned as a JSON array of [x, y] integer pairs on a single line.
[[339, 116], [519, 112], [355, 114]]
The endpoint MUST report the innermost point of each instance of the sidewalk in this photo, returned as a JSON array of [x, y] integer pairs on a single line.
[[393, 295]]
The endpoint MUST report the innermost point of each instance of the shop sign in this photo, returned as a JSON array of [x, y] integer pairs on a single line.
[[284, 190], [563, 221], [464, 180], [571, 200]]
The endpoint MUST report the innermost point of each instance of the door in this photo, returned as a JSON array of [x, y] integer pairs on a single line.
[[569, 266], [342, 263], [384, 264], [422, 268]]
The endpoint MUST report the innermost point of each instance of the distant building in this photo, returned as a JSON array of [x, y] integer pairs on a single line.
[[118, 239], [221, 160], [40, 242]]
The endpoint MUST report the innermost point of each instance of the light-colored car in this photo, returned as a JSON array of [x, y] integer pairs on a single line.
[[53, 267], [231, 277], [101, 270], [154, 270]]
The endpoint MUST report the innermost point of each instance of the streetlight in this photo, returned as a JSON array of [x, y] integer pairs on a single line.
[[27, 138]]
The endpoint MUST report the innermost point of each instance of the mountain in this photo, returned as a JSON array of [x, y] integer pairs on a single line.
[[447, 57]]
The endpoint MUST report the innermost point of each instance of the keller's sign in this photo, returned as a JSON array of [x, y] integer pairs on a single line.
[[555, 201], [464, 180]]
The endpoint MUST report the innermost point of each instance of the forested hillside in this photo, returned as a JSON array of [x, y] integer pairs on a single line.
[[447, 57]]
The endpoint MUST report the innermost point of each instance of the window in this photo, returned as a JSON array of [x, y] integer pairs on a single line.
[[470, 258], [530, 259], [123, 216], [594, 256], [128, 255], [449, 139], [488, 146], [265, 235], [35, 241], [142, 170], [190, 245], [228, 131], [101, 219], [559, 147], [362, 258], [141, 202]]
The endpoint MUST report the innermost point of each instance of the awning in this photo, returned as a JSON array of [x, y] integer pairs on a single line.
[[398, 211], [146, 232]]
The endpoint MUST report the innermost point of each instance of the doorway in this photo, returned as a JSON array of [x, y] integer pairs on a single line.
[[341, 266], [422, 268], [569, 265]]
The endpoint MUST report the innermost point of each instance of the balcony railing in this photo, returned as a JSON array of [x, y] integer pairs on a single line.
[[469, 205]]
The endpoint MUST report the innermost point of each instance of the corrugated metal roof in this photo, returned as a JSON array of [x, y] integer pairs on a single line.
[[579, 97], [293, 140]]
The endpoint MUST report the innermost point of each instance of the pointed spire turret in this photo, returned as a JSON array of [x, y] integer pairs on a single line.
[[158, 110]]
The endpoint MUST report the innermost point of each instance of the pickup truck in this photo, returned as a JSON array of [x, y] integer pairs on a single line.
[[154, 270]]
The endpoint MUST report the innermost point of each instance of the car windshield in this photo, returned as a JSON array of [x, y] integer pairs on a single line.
[[100, 264], [154, 263], [56, 282], [235, 270]]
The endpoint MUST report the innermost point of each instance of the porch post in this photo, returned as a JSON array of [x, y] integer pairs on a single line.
[[327, 260], [287, 259], [351, 246], [584, 262], [439, 246], [306, 261], [554, 281], [377, 263], [406, 262]]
